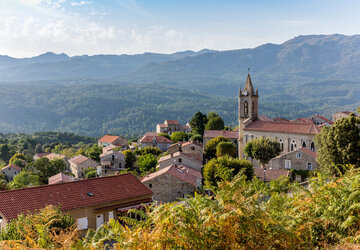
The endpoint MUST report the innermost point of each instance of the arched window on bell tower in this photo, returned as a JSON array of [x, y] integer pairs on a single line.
[[246, 108], [253, 109]]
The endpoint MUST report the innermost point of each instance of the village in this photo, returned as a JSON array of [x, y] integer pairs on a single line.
[[115, 187]]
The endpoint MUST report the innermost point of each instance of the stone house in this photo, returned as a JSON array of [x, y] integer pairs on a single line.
[[190, 148], [180, 158], [117, 141], [231, 135], [92, 202], [40, 155], [171, 126], [154, 140], [10, 171], [300, 159], [79, 163], [173, 182], [112, 162], [60, 178]]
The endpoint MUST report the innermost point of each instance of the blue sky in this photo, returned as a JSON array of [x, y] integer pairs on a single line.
[[76, 27]]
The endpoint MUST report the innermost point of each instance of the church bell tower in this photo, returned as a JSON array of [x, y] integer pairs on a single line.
[[248, 111]]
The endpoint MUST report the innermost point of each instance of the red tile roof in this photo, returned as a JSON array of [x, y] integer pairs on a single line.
[[12, 166], [150, 138], [172, 122], [224, 133], [109, 138], [280, 119], [60, 178], [72, 195], [162, 125], [41, 155], [182, 172], [285, 127], [308, 152], [78, 159], [181, 154], [271, 174], [189, 143], [323, 118], [265, 118]]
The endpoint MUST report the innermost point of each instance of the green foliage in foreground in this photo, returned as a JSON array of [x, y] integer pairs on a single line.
[[249, 215], [242, 215]]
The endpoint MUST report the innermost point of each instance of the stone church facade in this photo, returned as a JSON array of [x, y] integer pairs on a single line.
[[291, 135]]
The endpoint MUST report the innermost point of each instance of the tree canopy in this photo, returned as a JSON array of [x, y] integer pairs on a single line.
[[210, 147], [147, 162], [226, 148], [339, 145], [198, 123], [179, 136], [215, 122], [262, 149]]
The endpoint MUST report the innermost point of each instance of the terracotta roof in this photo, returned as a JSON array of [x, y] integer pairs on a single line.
[[265, 118], [280, 119], [176, 154], [159, 139], [72, 195], [41, 155], [12, 166], [184, 127], [224, 133], [151, 134], [344, 112], [60, 178], [53, 156], [308, 152], [181, 173], [78, 159], [172, 122], [285, 127], [162, 125], [109, 138], [191, 143], [271, 174], [323, 118]]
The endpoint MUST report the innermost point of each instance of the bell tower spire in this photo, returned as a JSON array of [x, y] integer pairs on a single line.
[[248, 111]]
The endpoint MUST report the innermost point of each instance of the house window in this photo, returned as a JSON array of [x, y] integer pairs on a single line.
[[287, 164], [293, 145], [312, 146], [303, 144], [82, 223], [253, 109], [150, 185], [192, 148], [120, 165], [112, 157], [246, 108], [179, 160], [298, 155], [309, 166]]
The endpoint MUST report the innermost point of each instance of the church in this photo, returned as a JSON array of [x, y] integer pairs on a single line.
[[291, 135]]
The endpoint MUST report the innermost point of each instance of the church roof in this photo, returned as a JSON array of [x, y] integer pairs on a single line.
[[283, 127], [248, 85]]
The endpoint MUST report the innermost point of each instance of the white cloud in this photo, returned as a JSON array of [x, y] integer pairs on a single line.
[[81, 3]]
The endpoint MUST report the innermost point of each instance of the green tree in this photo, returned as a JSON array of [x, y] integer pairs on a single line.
[[45, 168], [226, 148], [25, 179], [197, 138], [148, 150], [215, 123], [198, 123], [210, 147], [18, 159], [212, 115], [147, 163], [94, 152], [130, 158], [90, 173], [165, 135], [224, 169], [339, 145], [3, 184], [262, 149], [179, 136], [6, 152]]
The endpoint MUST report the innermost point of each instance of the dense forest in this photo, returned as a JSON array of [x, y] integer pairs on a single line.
[[94, 108]]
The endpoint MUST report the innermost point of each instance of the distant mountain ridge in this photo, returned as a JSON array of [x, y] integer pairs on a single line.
[[301, 59]]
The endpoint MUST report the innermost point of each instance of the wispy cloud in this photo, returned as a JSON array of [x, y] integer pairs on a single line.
[[81, 3]]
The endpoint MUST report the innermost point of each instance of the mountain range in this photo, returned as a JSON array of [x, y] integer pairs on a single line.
[[307, 74]]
